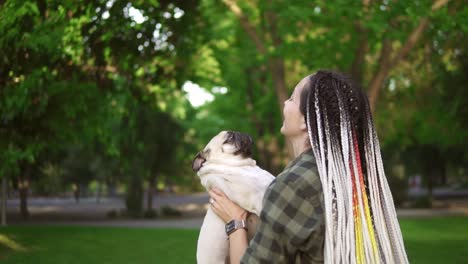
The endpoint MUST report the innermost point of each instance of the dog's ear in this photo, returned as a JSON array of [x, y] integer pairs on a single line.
[[238, 143]]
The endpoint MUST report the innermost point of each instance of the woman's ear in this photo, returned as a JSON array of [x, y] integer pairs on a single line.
[[303, 126]]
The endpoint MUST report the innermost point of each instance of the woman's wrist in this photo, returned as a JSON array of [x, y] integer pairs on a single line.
[[242, 216], [240, 232]]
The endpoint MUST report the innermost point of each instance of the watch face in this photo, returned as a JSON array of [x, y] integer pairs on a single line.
[[229, 226], [234, 225]]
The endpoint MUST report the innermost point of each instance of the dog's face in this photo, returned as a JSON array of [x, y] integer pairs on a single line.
[[224, 145]]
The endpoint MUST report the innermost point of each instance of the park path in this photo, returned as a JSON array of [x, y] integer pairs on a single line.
[[65, 211]]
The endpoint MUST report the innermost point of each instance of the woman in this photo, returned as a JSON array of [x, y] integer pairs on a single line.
[[332, 203]]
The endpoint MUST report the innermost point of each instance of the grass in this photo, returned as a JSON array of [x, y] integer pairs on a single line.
[[74, 244], [434, 240]]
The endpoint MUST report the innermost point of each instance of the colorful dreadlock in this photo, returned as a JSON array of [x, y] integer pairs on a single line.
[[361, 222]]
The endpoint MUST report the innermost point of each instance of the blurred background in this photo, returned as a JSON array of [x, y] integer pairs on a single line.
[[104, 104]]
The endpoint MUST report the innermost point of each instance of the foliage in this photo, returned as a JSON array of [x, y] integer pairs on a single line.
[[95, 88], [411, 54], [170, 212], [68, 85]]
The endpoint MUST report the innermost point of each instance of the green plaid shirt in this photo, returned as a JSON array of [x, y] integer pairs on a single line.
[[292, 224]]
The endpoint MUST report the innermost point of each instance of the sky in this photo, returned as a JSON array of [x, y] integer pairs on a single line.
[[196, 95], [199, 96]]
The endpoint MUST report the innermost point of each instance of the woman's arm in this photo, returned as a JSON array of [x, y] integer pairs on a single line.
[[227, 211], [237, 245]]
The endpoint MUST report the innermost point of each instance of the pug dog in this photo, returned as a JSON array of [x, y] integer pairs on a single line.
[[226, 163]]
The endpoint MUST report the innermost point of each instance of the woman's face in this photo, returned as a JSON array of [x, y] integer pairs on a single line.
[[293, 123]]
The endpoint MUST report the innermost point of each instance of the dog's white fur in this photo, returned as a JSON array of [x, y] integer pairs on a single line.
[[241, 180]]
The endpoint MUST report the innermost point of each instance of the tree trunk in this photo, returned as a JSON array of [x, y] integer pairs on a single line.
[[99, 191], [443, 171], [134, 196], [388, 60], [111, 188], [250, 104], [23, 186], [4, 198], [432, 159], [277, 74], [357, 67], [275, 64], [430, 186], [382, 72], [76, 192], [151, 189], [277, 70]]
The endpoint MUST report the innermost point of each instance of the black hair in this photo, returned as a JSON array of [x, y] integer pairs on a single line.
[[338, 118], [331, 88], [243, 143]]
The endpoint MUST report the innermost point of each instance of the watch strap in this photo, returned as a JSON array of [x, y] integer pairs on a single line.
[[235, 225]]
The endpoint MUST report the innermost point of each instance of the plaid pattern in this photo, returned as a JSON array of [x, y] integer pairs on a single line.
[[292, 224]]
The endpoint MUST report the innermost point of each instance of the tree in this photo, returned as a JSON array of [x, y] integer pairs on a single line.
[[63, 63], [421, 111], [263, 40], [44, 98], [149, 139]]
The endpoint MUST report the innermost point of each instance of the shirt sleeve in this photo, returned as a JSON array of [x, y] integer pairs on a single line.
[[291, 221]]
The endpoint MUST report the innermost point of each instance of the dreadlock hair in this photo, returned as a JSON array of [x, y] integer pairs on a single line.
[[361, 224]]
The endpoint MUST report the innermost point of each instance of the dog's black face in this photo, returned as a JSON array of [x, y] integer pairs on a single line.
[[223, 145]]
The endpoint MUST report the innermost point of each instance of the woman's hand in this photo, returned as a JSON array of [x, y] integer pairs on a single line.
[[226, 209]]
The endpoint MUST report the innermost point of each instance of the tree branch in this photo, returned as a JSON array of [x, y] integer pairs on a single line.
[[247, 25], [275, 63], [438, 4], [358, 63], [416, 34], [386, 64], [382, 71], [410, 42]]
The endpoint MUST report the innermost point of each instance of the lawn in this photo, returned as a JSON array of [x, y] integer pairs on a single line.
[[73, 244], [435, 240]]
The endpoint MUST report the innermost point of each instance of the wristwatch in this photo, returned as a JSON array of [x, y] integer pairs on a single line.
[[234, 225]]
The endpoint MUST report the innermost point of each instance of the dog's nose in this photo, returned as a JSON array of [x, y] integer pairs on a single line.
[[197, 162]]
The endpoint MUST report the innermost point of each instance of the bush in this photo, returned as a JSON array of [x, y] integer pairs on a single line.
[[422, 202], [169, 211], [150, 214], [112, 214]]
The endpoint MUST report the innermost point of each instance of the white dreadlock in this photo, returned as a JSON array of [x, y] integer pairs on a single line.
[[353, 236]]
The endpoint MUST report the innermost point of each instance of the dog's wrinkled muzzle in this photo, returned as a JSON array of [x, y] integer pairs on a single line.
[[198, 161]]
